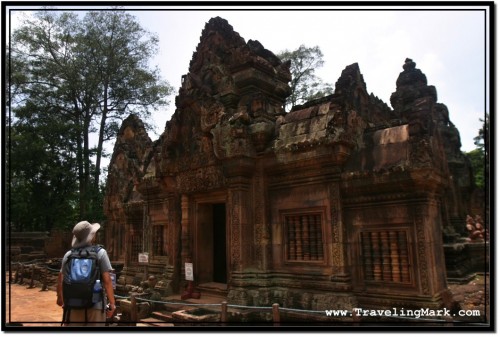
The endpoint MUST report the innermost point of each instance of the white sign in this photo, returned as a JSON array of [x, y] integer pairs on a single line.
[[188, 267], [143, 257]]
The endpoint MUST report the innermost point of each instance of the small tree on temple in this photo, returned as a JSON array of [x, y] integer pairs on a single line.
[[305, 84]]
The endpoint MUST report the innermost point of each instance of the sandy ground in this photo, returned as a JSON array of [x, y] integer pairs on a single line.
[[31, 307]]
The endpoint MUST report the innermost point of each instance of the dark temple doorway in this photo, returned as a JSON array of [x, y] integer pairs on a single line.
[[211, 247], [219, 232]]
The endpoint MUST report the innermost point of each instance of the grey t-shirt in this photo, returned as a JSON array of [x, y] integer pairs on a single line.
[[104, 266]]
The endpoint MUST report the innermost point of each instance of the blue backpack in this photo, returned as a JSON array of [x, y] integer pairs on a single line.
[[79, 277]]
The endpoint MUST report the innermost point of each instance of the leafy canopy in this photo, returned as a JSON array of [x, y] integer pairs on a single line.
[[305, 84], [74, 76]]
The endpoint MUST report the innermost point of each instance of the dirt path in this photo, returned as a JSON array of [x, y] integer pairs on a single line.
[[31, 307]]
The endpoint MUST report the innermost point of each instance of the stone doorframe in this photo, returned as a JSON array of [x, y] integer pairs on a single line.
[[202, 236]]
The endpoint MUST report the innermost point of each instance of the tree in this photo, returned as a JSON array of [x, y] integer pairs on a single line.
[[476, 158], [482, 139], [480, 156], [89, 72], [305, 84], [480, 162], [43, 180]]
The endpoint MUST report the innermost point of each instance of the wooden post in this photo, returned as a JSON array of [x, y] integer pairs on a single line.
[[133, 310], [32, 282], [17, 273], [21, 280], [276, 314], [223, 312], [45, 279], [449, 320], [356, 319]]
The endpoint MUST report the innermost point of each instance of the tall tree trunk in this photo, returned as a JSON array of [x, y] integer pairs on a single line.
[[86, 161], [100, 141], [80, 163]]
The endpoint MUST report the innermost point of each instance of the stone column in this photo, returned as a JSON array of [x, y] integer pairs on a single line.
[[240, 213], [263, 254], [241, 228], [186, 253], [174, 229], [429, 247], [340, 272]]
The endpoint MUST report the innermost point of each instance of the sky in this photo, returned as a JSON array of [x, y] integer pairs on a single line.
[[448, 45]]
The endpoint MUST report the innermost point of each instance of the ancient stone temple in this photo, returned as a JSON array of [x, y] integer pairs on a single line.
[[338, 203]]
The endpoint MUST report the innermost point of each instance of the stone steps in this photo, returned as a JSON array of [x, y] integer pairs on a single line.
[[152, 321], [162, 316], [169, 310], [213, 289]]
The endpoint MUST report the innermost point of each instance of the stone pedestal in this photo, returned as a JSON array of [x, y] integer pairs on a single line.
[[464, 260]]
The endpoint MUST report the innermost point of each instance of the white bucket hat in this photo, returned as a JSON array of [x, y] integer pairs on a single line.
[[83, 233]]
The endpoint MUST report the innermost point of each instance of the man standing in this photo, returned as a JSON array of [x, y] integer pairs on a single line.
[[84, 235]]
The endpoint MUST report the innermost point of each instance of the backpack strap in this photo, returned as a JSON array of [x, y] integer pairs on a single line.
[[96, 249], [103, 302]]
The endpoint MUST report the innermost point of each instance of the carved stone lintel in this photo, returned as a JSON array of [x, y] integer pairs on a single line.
[[203, 179]]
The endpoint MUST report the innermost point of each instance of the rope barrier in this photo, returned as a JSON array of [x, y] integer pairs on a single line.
[[248, 307], [122, 297], [27, 262], [177, 303], [52, 269], [31, 263], [303, 310], [218, 304]]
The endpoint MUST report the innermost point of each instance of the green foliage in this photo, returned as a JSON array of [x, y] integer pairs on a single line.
[[73, 79], [482, 139], [42, 180], [479, 157], [305, 84], [477, 161]]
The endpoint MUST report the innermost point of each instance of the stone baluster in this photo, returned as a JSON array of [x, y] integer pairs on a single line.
[[367, 255], [319, 236], [306, 246], [396, 270], [313, 241], [292, 253], [377, 258], [386, 256], [403, 254], [298, 238]]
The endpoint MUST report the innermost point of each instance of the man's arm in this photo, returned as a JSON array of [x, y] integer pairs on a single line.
[[108, 287]]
